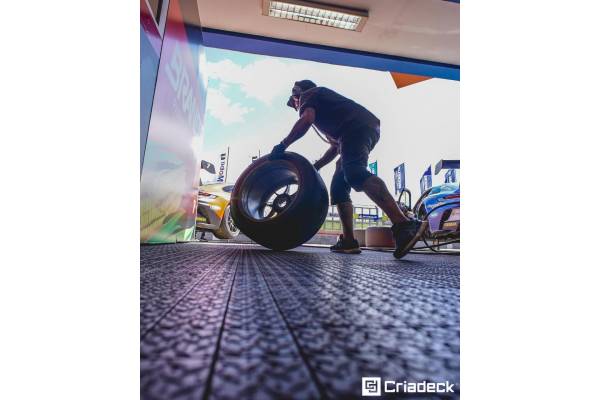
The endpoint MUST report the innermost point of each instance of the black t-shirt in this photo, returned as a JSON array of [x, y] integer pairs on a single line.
[[334, 113]]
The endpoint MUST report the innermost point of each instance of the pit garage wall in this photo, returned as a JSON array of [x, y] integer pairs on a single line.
[[171, 163]]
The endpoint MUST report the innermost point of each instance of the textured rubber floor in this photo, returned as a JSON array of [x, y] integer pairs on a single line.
[[243, 322]]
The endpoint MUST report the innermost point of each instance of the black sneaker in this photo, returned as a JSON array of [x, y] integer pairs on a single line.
[[406, 234], [346, 246]]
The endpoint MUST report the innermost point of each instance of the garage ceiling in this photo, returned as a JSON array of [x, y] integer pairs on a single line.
[[426, 30]]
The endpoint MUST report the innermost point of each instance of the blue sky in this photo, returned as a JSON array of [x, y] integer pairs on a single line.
[[246, 110]]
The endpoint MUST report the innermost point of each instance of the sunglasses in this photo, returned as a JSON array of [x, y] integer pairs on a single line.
[[292, 101], [296, 92]]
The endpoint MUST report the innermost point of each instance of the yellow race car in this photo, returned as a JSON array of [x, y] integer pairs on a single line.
[[213, 213]]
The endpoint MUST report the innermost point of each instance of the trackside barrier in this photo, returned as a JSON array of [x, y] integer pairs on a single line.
[[364, 217]]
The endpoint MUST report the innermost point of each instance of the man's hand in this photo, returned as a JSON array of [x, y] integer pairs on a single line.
[[277, 151]]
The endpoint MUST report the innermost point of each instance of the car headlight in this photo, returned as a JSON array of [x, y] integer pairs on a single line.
[[207, 195]]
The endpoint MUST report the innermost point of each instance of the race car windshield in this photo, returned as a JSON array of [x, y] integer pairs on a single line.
[[443, 188]]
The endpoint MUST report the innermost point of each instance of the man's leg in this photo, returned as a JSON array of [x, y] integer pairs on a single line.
[[354, 158], [340, 197], [346, 213], [355, 151], [375, 188]]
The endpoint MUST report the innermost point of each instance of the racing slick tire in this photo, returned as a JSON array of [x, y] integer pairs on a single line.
[[280, 203], [227, 229]]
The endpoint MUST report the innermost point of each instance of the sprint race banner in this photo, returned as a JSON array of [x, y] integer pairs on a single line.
[[171, 168]]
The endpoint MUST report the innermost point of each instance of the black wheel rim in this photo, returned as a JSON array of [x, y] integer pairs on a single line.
[[278, 201], [270, 190]]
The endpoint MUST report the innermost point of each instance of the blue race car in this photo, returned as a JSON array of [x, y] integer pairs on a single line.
[[439, 205]]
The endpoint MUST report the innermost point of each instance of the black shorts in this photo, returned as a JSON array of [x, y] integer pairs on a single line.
[[351, 168]]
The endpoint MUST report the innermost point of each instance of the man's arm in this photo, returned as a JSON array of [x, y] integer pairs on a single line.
[[300, 127], [328, 157]]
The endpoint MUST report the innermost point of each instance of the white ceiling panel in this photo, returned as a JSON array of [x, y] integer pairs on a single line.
[[420, 29]]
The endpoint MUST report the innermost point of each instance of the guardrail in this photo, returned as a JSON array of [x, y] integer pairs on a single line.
[[364, 217]]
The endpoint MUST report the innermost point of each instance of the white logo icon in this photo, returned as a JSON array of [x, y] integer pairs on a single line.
[[371, 386]]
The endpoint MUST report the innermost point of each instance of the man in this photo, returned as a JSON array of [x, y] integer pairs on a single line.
[[352, 132]]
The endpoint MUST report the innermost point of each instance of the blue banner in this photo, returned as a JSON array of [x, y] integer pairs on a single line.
[[399, 179], [368, 216], [426, 180], [450, 176]]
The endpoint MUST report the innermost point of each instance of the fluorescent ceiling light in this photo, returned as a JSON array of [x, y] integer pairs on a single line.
[[316, 13]]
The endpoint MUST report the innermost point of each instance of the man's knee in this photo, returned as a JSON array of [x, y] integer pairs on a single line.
[[339, 194], [339, 190], [356, 176]]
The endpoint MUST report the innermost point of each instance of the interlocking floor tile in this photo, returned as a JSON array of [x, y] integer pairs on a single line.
[[244, 322]]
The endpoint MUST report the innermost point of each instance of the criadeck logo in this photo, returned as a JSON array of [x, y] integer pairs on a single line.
[[371, 386]]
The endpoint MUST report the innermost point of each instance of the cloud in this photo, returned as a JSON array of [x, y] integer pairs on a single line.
[[263, 80], [222, 108], [420, 123], [270, 77]]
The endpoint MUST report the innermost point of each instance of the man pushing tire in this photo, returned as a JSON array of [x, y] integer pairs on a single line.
[[352, 132]]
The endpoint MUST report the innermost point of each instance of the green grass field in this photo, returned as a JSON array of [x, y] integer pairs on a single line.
[[337, 225]]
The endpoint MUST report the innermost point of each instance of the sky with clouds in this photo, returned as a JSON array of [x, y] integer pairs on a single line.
[[247, 112]]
